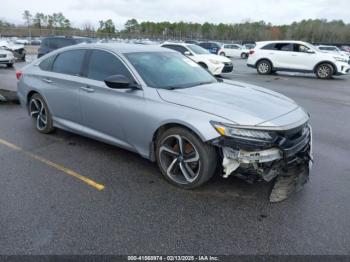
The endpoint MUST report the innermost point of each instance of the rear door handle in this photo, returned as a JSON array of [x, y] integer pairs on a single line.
[[87, 89], [294, 55], [47, 80]]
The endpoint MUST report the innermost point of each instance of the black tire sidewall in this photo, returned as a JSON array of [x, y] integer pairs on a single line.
[[207, 154]]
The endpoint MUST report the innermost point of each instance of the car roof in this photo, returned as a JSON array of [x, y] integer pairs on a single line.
[[176, 43], [118, 47], [66, 37], [281, 41]]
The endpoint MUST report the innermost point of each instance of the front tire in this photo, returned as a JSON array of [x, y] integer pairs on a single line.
[[203, 65], [40, 114], [9, 65], [324, 71], [183, 159], [223, 54], [264, 67]]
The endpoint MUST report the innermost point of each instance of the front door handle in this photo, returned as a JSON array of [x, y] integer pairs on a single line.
[[47, 80], [87, 89]]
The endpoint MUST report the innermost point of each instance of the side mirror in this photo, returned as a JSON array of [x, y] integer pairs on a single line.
[[309, 51], [187, 53], [119, 82]]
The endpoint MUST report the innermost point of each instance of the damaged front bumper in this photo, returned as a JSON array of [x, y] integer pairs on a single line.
[[288, 160]]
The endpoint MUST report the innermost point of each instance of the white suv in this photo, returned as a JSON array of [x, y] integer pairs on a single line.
[[296, 56], [215, 64]]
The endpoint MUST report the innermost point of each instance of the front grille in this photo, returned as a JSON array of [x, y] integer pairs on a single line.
[[2, 56]]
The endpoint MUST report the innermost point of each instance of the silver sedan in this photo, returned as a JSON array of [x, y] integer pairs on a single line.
[[165, 107]]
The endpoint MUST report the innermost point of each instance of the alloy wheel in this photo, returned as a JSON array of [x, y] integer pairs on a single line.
[[38, 113], [180, 159], [264, 68], [324, 71]]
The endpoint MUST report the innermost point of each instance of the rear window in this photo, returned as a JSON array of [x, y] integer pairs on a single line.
[[56, 43], [69, 62], [178, 48], [46, 64], [279, 47]]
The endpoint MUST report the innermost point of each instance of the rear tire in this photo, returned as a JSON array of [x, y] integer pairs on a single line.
[[40, 114], [324, 71], [223, 54], [244, 55], [188, 166], [264, 67]]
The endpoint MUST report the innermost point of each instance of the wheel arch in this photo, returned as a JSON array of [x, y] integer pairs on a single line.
[[167, 125], [261, 59], [203, 63], [335, 70], [30, 94]]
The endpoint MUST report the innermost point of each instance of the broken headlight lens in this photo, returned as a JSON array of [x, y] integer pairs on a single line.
[[236, 132]]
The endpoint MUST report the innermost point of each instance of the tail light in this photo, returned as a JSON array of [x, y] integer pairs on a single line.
[[18, 74], [251, 52]]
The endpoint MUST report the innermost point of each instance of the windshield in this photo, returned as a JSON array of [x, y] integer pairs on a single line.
[[198, 50], [169, 70], [329, 48]]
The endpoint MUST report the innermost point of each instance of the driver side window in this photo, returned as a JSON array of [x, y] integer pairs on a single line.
[[301, 48], [103, 64]]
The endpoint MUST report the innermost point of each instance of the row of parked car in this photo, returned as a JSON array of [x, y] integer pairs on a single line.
[[228, 49], [267, 57], [9, 52]]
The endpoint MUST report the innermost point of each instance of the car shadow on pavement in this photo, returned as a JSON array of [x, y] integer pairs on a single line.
[[130, 168]]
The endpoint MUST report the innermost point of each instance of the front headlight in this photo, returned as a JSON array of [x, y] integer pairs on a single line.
[[213, 61], [340, 59], [236, 132]]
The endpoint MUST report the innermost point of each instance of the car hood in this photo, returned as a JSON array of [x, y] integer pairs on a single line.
[[10, 45], [237, 102], [215, 57]]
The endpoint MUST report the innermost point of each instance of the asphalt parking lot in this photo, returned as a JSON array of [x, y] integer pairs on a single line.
[[46, 206]]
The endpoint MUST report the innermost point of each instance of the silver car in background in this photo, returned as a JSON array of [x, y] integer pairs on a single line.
[[165, 107]]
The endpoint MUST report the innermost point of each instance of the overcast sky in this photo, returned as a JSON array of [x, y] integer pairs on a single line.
[[215, 11]]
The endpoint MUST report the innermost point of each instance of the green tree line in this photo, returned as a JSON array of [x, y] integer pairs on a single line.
[[41, 20], [317, 30], [312, 30]]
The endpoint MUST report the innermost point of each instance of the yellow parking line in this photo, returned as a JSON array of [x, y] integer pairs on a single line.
[[54, 165]]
